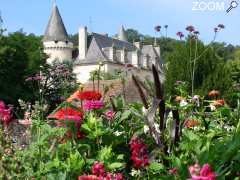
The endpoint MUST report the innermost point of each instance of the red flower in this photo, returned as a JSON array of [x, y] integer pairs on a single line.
[[90, 95], [157, 28], [79, 135], [191, 123], [85, 95], [68, 114], [139, 153], [88, 177], [219, 102], [190, 28], [213, 93]]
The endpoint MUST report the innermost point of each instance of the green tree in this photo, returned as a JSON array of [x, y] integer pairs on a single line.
[[20, 56]]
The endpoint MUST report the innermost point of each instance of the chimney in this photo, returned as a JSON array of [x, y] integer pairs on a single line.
[[112, 52], [138, 45], [123, 55], [82, 46], [135, 58]]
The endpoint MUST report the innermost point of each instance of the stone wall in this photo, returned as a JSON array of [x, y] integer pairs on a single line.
[[116, 88]]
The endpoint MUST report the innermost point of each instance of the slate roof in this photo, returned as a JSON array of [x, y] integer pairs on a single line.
[[55, 30], [105, 41]]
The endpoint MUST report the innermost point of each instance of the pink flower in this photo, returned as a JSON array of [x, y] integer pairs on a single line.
[[5, 113], [109, 114], [173, 171], [118, 176], [90, 105], [204, 173], [27, 119], [98, 169]]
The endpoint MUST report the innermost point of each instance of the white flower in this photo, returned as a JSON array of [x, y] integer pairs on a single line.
[[183, 103], [118, 133], [144, 110], [135, 172], [212, 107], [146, 128]]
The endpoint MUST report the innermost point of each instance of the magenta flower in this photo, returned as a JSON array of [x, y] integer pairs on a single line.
[[98, 169], [90, 105], [204, 173], [5, 113], [180, 35], [157, 28], [109, 114], [190, 28]]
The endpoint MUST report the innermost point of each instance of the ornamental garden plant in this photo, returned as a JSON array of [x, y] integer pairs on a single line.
[[183, 137], [84, 136]]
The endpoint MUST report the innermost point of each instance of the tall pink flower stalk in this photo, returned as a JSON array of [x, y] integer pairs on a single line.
[[5, 113], [91, 105]]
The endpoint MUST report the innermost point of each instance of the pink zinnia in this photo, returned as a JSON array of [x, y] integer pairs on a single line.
[[110, 114], [90, 105], [205, 173]]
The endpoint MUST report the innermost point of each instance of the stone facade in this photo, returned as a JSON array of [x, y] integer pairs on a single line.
[[113, 53]]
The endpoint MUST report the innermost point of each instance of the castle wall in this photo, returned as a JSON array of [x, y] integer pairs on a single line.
[[83, 71], [59, 50]]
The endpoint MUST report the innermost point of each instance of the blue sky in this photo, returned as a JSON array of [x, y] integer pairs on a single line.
[[108, 15]]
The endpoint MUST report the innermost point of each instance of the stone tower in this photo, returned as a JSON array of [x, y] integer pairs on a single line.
[[56, 42], [122, 35]]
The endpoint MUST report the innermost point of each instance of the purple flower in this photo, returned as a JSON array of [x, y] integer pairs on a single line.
[[190, 28], [221, 26], [157, 28], [180, 35], [196, 32]]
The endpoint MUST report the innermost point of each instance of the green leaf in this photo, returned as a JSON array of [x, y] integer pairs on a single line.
[[125, 115], [155, 167], [116, 165], [120, 157]]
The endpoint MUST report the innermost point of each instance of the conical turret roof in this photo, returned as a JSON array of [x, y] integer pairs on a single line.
[[56, 30], [122, 34]]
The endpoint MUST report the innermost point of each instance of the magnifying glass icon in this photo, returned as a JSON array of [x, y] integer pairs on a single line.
[[233, 4]]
